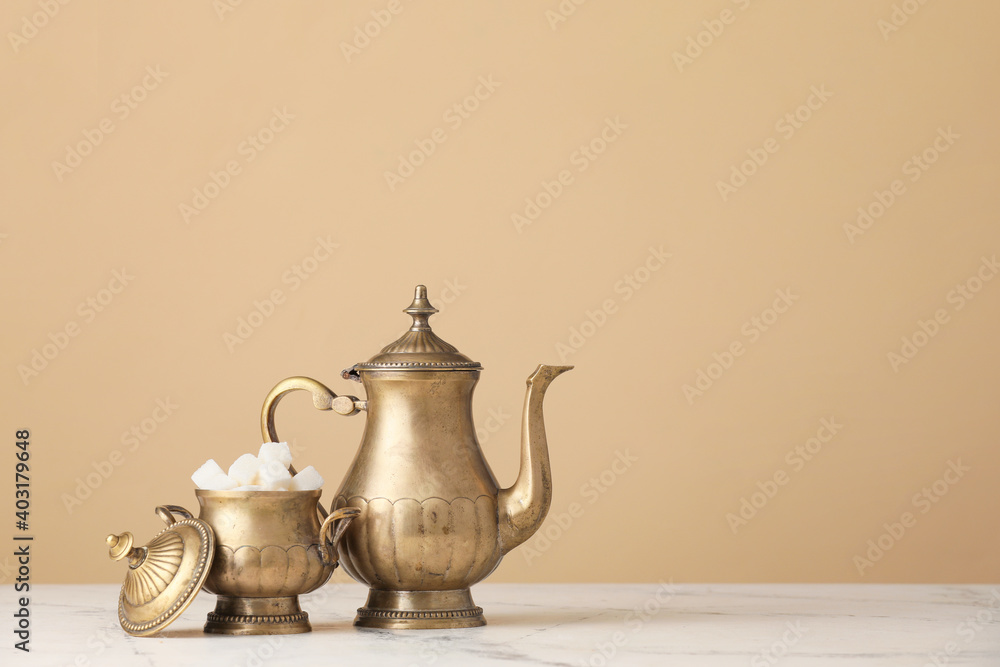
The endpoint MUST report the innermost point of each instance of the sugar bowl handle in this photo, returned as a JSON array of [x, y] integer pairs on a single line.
[[167, 512], [323, 399], [337, 522]]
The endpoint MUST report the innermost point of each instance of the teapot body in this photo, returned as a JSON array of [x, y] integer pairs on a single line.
[[428, 499]]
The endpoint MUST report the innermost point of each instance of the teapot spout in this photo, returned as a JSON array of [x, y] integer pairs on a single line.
[[523, 506]]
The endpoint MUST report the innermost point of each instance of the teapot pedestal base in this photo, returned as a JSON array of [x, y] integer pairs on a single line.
[[257, 616], [419, 610]]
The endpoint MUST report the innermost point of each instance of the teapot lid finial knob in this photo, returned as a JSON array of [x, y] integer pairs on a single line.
[[420, 310]]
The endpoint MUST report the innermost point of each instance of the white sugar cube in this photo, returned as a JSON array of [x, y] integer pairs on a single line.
[[276, 451], [249, 487], [203, 475], [307, 479], [274, 475], [244, 470], [218, 482]]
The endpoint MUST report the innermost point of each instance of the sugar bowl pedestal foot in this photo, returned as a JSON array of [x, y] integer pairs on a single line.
[[419, 610], [257, 616]]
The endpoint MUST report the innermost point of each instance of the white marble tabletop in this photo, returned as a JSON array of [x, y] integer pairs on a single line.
[[558, 624]]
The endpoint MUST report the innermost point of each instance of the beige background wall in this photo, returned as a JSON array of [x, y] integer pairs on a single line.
[[831, 303]]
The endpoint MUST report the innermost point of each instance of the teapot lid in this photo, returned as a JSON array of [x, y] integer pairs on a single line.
[[419, 349]]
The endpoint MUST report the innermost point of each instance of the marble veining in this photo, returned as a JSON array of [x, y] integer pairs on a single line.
[[572, 625]]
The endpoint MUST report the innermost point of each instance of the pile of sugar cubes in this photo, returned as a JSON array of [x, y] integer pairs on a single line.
[[268, 471]]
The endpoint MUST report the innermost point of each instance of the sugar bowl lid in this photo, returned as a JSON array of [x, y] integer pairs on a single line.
[[165, 575], [419, 349]]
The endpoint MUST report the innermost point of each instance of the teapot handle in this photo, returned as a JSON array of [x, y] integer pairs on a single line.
[[336, 521], [323, 399]]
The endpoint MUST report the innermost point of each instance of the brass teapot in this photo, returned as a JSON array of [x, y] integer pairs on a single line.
[[433, 520]]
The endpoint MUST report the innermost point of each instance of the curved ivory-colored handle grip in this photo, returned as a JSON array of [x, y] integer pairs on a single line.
[[337, 521], [167, 512], [323, 399]]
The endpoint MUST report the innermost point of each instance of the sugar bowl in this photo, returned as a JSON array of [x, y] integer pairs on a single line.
[[256, 550]]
